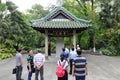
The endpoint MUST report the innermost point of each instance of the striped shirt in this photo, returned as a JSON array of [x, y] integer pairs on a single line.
[[80, 66], [39, 58]]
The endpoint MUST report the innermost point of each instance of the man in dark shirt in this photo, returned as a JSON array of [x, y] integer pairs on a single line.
[[30, 64], [79, 69]]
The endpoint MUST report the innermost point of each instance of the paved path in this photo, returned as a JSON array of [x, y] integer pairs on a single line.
[[100, 68]]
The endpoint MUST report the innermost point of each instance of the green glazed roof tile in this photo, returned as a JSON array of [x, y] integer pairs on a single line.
[[60, 23]]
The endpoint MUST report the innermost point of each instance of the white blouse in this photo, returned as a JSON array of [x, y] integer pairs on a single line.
[[64, 63]]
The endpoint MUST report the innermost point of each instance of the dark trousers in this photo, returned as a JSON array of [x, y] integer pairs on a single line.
[[37, 73], [18, 72], [65, 77], [49, 52], [80, 77], [71, 60]]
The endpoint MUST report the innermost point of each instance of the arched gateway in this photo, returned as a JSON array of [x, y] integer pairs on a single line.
[[60, 22]]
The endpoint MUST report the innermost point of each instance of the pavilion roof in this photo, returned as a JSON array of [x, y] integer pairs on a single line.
[[54, 20]]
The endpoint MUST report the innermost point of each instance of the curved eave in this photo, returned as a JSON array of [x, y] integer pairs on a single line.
[[60, 24], [78, 30]]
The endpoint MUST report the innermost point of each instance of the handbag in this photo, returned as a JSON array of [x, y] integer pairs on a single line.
[[14, 70]]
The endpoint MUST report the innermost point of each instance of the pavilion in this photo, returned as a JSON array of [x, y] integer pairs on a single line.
[[60, 23]]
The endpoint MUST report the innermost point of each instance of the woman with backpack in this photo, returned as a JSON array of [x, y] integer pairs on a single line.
[[64, 64]]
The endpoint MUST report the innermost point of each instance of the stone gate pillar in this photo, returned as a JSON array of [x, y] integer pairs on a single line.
[[46, 44], [59, 46], [74, 38]]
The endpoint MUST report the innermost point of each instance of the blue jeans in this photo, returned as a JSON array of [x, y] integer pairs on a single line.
[[80, 77], [30, 74]]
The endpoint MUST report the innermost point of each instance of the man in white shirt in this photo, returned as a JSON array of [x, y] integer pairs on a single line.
[[39, 60], [73, 55]]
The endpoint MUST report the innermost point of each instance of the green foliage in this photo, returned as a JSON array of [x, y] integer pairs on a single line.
[[108, 52], [15, 30], [36, 12], [83, 11], [84, 40], [105, 30], [67, 42], [109, 18], [26, 48], [53, 47], [6, 53], [35, 38], [2, 7], [110, 12]]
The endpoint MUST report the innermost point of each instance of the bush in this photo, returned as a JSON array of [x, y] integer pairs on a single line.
[[26, 48], [107, 52], [6, 53]]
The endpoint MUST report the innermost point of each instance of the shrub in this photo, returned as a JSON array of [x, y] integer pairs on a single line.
[[6, 53], [26, 48], [107, 52]]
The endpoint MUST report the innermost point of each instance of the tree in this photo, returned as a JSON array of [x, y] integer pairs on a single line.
[[13, 27], [82, 10], [109, 18], [37, 12], [3, 23]]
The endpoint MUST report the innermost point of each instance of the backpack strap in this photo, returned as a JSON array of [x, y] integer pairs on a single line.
[[59, 62], [64, 63]]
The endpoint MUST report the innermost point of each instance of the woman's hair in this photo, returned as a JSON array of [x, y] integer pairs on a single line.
[[61, 57]]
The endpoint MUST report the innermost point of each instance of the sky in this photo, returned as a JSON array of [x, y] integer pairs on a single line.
[[27, 4]]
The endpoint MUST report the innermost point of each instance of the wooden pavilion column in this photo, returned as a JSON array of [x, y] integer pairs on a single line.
[[46, 44], [74, 38]]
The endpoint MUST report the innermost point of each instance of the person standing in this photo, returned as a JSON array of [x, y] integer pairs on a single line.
[[49, 49], [78, 47], [66, 50], [72, 56], [39, 60], [66, 54], [19, 64], [80, 67], [30, 63], [64, 64]]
